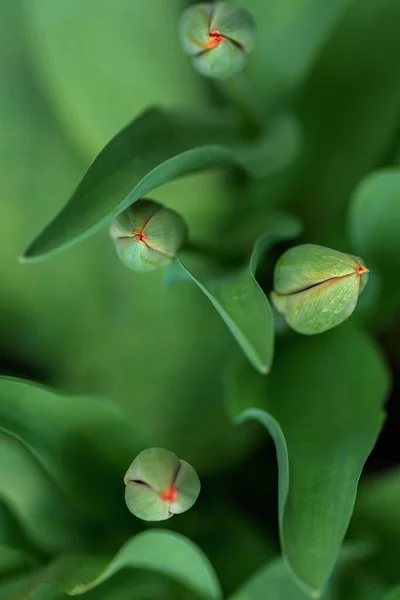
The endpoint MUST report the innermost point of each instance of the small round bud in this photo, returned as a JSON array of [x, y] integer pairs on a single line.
[[159, 485], [317, 288], [148, 236], [218, 37]]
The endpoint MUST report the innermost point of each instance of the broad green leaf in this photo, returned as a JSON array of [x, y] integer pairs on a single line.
[[293, 33], [324, 418], [155, 148], [76, 321], [276, 582], [374, 223], [238, 297], [273, 582], [124, 38], [377, 517], [161, 551], [85, 444], [43, 513], [350, 110]]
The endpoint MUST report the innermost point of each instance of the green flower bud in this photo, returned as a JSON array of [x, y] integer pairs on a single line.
[[148, 236], [317, 288], [159, 485], [218, 37]]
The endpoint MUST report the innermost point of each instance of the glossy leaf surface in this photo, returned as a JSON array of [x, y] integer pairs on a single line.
[[237, 296], [155, 148], [324, 419], [160, 551], [84, 444]]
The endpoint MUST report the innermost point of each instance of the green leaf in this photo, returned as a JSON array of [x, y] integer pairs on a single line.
[[161, 551], [350, 110], [238, 297], [84, 444], [275, 580], [43, 513], [75, 325], [155, 148], [374, 222], [124, 77], [322, 405], [293, 33], [377, 517]]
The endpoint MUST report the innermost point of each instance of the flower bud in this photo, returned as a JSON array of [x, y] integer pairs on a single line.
[[218, 36], [317, 288], [159, 485], [148, 236]]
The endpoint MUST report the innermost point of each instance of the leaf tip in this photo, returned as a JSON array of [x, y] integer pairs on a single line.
[[264, 369]]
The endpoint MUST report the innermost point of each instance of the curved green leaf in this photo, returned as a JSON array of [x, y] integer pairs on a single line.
[[85, 444], [322, 405], [161, 551], [238, 297], [374, 222], [43, 513], [155, 148]]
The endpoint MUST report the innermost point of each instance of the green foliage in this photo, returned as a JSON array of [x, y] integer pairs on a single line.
[[323, 433], [303, 146], [374, 224], [156, 148], [237, 296], [394, 594], [377, 518], [159, 551]]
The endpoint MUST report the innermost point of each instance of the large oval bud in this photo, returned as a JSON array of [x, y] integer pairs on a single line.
[[218, 37], [316, 288], [148, 236], [159, 485]]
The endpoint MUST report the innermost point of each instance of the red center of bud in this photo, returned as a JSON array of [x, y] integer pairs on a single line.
[[215, 39], [362, 270], [170, 494], [140, 236]]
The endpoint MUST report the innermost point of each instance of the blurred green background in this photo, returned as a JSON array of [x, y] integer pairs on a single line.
[[72, 73]]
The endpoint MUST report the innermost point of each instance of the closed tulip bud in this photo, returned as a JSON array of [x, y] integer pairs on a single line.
[[218, 37], [159, 485], [317, 288], [148, 236]]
